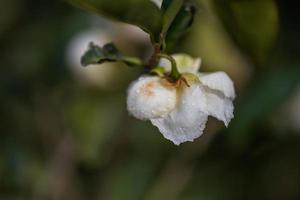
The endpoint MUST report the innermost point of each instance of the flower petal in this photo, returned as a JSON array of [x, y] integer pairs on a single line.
[[219, 106], [218, 81], [185, 63], [149, 97], [188, 121]]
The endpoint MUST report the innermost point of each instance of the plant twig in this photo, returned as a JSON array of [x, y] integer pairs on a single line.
[[174, 75]]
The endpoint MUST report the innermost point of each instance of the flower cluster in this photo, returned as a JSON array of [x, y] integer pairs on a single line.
[[180, 109]]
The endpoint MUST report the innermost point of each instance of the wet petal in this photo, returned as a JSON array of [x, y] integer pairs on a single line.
[[218, 81], [188, 121], [219, 106], [185, 63], [149, 97]]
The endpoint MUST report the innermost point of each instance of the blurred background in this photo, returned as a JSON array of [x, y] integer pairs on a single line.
[[65, 132]]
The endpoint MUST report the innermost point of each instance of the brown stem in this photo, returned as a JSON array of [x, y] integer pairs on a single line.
[[154, 58]]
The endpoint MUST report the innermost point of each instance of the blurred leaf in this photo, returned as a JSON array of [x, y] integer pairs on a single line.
[[178, 18], [181, 24], [94, 120], [121, 179], [253, 24], [165, 4], [142, 13], [108, 53], [170, 14], [269, 90]]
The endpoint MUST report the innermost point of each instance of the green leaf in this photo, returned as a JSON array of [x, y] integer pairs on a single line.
[[108, 53], [269, 90], [170, 14], [165, 4], [178, 18], [142, 13], [181, 24], [253, 25]]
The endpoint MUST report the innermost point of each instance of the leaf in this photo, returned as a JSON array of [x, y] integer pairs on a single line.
[[269, 90], [170, 14], [253, 25], [165, 4], [178, 18], [108, 53], [181, 24], [142, 13]]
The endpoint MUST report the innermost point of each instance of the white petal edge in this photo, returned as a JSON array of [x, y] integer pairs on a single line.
[[219, 106], [218, 81], [187, 122], [148, 97], [185, 63]]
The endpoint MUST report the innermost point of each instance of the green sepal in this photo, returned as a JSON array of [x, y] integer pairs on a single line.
[[160, 71]]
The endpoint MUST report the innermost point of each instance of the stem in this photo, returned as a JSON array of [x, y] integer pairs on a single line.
[[169, 17], [154, 59], [175, 75]]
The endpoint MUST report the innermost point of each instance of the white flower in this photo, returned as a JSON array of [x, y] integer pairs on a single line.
[[180, 110]]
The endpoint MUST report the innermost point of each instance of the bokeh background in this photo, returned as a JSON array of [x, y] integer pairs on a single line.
[[65, 132]]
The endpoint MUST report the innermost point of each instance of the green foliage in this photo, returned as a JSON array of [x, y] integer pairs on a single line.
[[142, 13], [269, 90], [253, 24], [178, 18], [181, 24], [170, 14], [62, 138], [165, 4], [108, 53], [167, 24]]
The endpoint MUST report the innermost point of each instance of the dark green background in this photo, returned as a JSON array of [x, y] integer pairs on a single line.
[[61, 138]]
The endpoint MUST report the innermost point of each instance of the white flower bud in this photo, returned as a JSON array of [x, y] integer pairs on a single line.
[[150, 97]]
